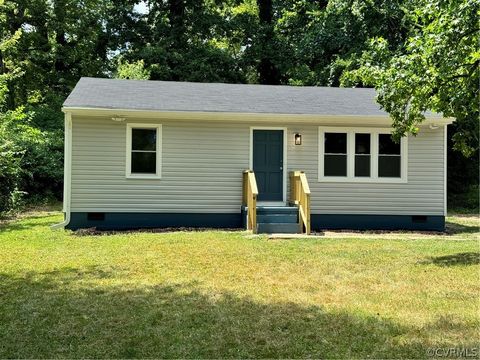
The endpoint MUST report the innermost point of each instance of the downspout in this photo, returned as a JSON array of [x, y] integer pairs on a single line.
[[445, 155], [67, 173]]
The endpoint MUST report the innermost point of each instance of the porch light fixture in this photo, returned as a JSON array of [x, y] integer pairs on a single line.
[[298, 139]]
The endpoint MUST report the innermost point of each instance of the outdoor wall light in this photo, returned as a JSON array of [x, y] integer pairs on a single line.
[[298, 139]]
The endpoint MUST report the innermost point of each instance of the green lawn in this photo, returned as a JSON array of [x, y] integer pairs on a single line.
[[224, 294]]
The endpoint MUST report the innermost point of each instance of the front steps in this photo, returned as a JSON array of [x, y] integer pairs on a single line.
[[277, 220]]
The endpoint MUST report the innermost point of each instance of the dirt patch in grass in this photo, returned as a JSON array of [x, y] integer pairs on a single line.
[[366, 233], [94, 231]]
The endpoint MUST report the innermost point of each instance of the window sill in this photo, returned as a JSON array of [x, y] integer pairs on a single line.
[[144, 177], [362, 180]]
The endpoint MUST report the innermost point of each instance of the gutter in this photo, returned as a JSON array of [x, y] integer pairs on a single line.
[[67, 173]]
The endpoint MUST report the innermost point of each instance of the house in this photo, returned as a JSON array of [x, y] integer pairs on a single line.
[[272, 158]]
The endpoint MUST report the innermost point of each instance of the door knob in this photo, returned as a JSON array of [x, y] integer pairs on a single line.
[[281, 167]]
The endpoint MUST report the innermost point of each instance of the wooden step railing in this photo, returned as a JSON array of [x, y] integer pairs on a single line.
[[250, 192], [300, 196]]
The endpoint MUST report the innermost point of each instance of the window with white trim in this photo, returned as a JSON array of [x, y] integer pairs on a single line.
[[361, 155], [335, 159], [389, 157], [143, 158]]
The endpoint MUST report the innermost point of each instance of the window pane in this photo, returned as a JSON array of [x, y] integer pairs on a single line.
[[362, 165], [335, 143], [389, 166], [144, 162], [335, 165], [362, 143], [144, 139], [387, 146]]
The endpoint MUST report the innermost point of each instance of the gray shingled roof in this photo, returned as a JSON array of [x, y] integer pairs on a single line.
[[213, 97]]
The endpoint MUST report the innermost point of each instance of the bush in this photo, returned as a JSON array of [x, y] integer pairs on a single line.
[[9, 176], [467, 202], [30, 160]]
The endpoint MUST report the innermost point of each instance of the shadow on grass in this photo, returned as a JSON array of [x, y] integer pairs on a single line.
[[69, 313], [452, 228], [459, 259], [14, 225], [23, 223]]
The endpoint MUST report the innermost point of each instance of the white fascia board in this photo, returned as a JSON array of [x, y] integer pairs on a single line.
[[246, 117]]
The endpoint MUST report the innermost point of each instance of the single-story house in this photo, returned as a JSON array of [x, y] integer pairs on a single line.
[[157, 154]]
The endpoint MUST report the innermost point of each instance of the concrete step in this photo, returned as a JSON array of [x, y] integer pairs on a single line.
[[277, 210], [277, 218], [275, 228]]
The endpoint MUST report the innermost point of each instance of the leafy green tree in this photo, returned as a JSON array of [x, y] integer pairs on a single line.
[[9, 174], [44, 49], [134, 70], [185, 40], [422, 55], [10, 169], [268, 45], [327, 37], [437, 69]]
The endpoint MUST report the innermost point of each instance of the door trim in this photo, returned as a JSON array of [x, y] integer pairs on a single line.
[[250, 162]]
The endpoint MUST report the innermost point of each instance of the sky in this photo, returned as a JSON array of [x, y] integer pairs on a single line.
[[141, 7]]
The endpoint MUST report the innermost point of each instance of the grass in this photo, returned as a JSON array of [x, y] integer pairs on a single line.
[[223, 294]]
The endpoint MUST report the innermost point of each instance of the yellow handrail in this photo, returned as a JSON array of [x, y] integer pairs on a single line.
[[300, 195], [250, 192]]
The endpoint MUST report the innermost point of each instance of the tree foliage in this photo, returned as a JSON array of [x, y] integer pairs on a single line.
[[422, 55], [134, 70], [436, 69]]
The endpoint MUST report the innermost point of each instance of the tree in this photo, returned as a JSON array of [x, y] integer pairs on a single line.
[[45, 46], [266, 37], [185, 40], [135, 70], [420, 54], [436, 70], [326, 37]]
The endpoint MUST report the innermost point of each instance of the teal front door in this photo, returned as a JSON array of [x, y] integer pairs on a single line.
[[268, 164]]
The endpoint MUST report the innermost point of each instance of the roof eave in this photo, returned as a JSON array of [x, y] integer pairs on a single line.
[[244, 116]]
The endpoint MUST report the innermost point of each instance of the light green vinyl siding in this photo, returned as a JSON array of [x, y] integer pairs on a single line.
[[202, 163]]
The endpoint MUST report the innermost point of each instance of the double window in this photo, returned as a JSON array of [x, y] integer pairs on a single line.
[[143, 150], [361, 155]]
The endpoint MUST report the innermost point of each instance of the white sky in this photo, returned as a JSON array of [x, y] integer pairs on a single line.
[[141, 7]]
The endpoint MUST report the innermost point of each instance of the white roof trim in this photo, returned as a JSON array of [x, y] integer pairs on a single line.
[[359, 120]]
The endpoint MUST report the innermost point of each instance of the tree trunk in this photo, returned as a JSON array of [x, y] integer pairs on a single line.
[[177, 41], [176, 13], [59, 11], [267, 70]]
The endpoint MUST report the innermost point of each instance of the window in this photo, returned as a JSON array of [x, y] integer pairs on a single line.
[[335, 163], [361, 155], [143, 151], [388, 157]]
